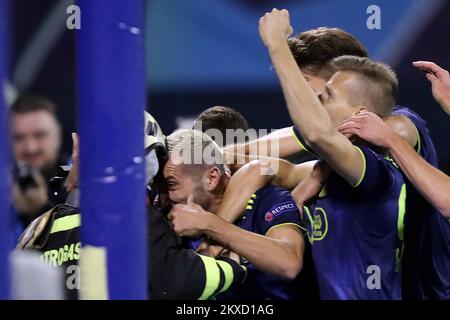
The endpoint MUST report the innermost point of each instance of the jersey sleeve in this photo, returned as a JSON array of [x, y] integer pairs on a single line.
[[275, 208], [301, 142], [378, 177], [179, 273]]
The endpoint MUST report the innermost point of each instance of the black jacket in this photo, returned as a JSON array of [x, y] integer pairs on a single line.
[[176, 272]]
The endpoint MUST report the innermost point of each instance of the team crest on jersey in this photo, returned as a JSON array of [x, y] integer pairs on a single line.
[[279, 210], [318, 224]]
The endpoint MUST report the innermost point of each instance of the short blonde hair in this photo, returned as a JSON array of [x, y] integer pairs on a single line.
[[379, 84], [195, 147]]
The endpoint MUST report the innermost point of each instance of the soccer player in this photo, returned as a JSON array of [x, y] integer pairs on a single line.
[[430, 277], [354, 226], [221, 119], [313, 50], [427, 251], [269, 236]]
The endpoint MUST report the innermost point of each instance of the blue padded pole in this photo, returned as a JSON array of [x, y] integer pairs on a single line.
[[5, 209], [111, 100]]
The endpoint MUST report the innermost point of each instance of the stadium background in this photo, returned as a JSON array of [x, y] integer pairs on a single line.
[[203, 53]]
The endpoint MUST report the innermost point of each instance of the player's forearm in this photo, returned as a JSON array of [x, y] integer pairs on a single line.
[[256, 175], [433, 184], [267, 254], [242, 185], [278, 144], [312, 119], [289, 175], [303, 105]]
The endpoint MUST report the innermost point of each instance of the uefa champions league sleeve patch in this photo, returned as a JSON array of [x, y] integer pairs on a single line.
[[279, 210]]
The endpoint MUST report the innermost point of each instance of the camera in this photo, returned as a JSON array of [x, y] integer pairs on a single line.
[[25, 176], [56, 191]]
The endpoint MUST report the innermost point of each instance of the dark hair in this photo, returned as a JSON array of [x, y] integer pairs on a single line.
[[315, 48], [32, 103], [220, 118], [377, 83]]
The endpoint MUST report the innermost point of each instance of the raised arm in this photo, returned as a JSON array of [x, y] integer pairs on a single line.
[[304, 107], [433, 184]]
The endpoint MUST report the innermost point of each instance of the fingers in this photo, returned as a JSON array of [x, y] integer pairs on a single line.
[[190, 200], [274, 11], [234, 256], [71, 182], [75, 146], [359, 119], [354, 123], [348, 132], [75, 141], [427, 66], [431, 67], [431, 77], [350, 128], [202, 246]]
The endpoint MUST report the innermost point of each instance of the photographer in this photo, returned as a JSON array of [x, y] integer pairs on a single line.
[[29, 190], [36, 142]]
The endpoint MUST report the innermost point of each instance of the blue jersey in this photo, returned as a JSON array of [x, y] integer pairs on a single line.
[[424, 145], [426, 261], [268, 208], [356, 232]]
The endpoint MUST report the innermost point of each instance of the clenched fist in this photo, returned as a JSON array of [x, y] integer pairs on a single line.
[[275, 27], [188, 219]]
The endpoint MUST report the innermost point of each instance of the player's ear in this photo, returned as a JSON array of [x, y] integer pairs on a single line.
[[213, 178]]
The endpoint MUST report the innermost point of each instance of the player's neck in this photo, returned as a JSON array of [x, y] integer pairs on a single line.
[[217, 194], [215, 204]]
